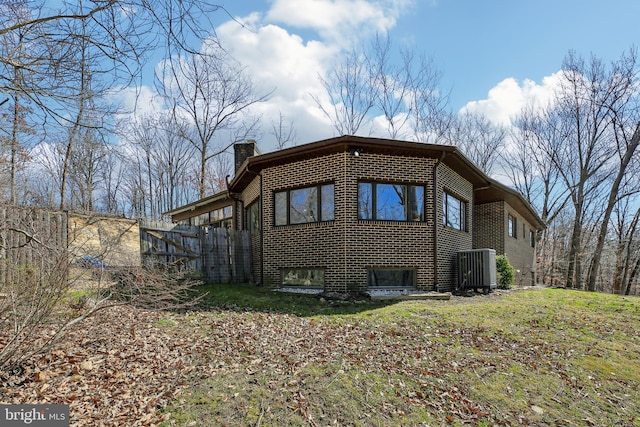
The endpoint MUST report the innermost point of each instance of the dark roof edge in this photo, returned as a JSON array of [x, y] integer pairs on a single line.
[[539, 223], [254, 164], [201, 202]]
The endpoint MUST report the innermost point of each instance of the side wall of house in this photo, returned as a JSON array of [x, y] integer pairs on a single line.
[[250, 195], [451, 241], [489, 226], [347, 248], [519, 249], [304, 246], [402, 245]]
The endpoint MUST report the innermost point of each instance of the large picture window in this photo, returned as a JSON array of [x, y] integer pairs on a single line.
[[454, 212], [304, 205], [390, 202]]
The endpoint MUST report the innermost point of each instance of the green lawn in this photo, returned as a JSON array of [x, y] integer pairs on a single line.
[[525, 357]]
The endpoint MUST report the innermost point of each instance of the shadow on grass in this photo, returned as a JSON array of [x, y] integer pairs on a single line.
[[259, 298]]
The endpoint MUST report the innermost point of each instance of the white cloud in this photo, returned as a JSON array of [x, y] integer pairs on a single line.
[[139, 101], [508, 97], [277, 59], [339, 20], [286, 48], [284, 63]]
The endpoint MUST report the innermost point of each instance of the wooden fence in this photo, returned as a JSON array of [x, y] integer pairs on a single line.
[[217, 255], [40, 237], [33, 238]]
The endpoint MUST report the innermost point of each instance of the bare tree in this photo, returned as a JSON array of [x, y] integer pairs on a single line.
[[284, 133], [350, 88], [587, 89], [478, 138], [160, 165], [123, 31], [14, 73], [366, 82], [528, 164], [627, 147], [537, 130], [173, 158], [210, 95], [37, 307], [392, 85], [61, 60], [428, 104], [627, 245], [85, 165], [112, 177]]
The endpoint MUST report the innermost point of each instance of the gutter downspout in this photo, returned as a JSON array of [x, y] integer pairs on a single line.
[[436, 223], [261, 201], [345, 218]]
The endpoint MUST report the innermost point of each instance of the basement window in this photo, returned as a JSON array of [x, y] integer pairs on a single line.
[[391, 278], [307, 277]]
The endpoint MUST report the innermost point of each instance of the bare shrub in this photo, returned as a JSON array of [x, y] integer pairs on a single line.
[[43, 293]]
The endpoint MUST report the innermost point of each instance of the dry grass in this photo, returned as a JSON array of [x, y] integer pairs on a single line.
[[535, 357], [524, 357]]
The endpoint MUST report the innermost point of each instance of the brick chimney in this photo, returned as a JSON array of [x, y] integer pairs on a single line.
[[243, 150]]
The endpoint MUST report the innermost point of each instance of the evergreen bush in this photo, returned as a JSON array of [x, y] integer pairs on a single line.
[[506, 272]]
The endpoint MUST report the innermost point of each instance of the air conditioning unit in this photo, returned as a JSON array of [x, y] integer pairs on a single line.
[[477, 270]]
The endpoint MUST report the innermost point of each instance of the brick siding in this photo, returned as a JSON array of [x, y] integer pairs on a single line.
[[489, 226], [451, 241], [347, 247], [250, 195], [518, 249], [491, 231]]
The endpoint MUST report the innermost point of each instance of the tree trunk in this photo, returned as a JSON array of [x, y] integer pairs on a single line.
[[14, 150], [613, 199], [632, 277], [573, 267]]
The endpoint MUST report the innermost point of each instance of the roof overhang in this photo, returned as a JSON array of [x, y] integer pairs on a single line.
[[254, 165], [216, 199], [486, 189], [496, 192]]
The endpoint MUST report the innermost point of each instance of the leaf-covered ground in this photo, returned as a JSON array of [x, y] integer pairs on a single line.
[[535, 357]]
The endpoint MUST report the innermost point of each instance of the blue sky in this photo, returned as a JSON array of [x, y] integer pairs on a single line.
[[479, 43], [494, 55]]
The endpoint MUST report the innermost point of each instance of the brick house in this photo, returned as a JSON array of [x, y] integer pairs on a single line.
[[353, 213]]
